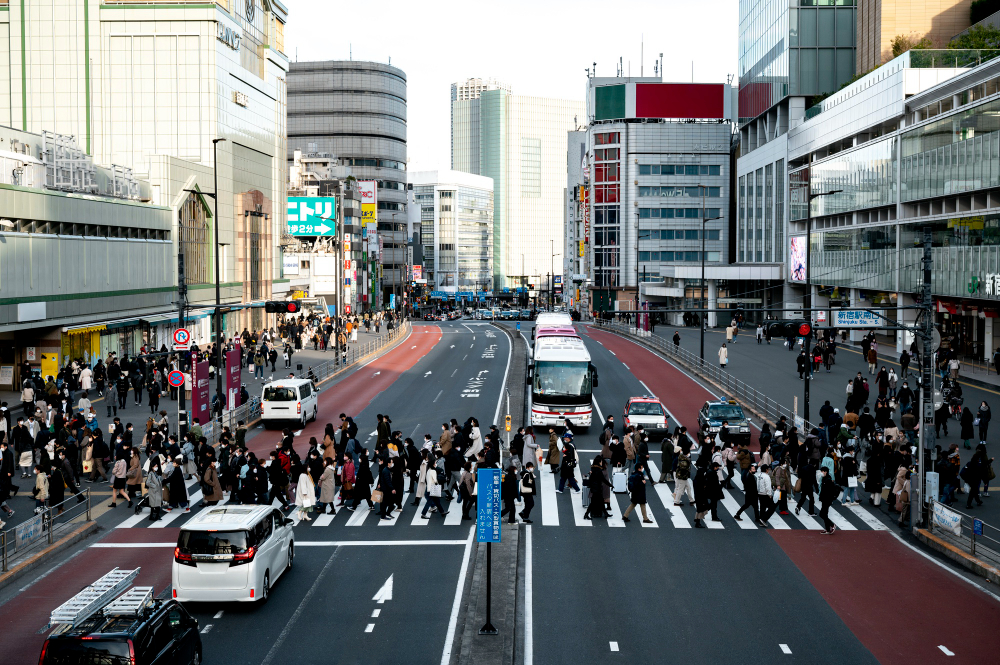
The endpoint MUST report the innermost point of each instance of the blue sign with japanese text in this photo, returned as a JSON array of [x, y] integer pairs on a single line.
[[977, 527], [488, 513]]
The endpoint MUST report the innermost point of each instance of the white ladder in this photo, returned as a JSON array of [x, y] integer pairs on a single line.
[[93, 598], [131, 602]]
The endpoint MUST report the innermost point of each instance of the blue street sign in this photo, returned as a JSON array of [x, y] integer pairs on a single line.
[[977, 527], [488, 513], [518, 326], [392, 301]]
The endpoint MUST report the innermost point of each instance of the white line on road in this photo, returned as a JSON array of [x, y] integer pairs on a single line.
[[471, 345], [733, 507], [510, 349], [614, 646], [453, 373], [218, 615], [375, 613], [945, 650], [414, 432], [651, 393], [612, 353], [206, 628], [324, 520], [131, 522], [785, 649], [600, 416], [465, 356], [369, 628], [625, 366], [449, 639], [550, 509], [667, 498], [529, 647], [439, 394]]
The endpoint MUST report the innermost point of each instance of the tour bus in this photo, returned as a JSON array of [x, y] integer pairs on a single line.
[[551, 320], [562, 380]]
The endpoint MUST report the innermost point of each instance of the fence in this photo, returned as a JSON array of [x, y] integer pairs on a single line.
[[250, 411], [749, 397], [965, 531], [43, 528]]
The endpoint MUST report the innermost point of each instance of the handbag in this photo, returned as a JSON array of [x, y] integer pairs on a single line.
[[251, 368], [976, 422], [377, 496], [798, 485], [88, 465], [852, 481], [434, 490], [776, 496], [347, 486]]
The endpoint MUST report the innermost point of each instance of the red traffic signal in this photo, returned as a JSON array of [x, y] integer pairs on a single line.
[[805, 329], [283, 306]]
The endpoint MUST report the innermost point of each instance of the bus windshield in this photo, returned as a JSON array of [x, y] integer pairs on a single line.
[[562, 378]]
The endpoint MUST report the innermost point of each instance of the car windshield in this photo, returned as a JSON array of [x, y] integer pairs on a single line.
[[728, 412], [562, 378], [213, 542], [276, 394], [645, 409], [86, 652]]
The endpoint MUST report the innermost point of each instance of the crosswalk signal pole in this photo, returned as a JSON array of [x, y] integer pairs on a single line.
[[182, 425]]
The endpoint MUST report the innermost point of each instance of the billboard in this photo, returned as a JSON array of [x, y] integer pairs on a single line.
[[418, 271], [233, 378], [200, 400], [369, 201], [311, 215], [797, 259], [680, 100], [290, 264]]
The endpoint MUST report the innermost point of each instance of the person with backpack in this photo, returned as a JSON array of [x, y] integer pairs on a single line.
[[682, 475], [828, 493], [567, 468], [527, 491], [637, 492]]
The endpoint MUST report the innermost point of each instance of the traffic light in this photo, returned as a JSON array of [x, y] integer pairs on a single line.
[[283, 306], [786, 329]]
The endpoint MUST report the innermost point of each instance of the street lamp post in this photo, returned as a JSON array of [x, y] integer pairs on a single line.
[[808, 299], [704, 291]]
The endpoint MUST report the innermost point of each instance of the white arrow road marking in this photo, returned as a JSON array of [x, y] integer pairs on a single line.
[[945, 650], [427, 374], [376, 374], [414, 346], [385, 593], [785, 649], [453, 346]]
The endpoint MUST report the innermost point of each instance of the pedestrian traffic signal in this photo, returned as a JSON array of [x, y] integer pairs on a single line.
[[283, 306]]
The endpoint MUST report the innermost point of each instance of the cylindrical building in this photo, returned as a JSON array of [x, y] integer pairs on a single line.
[[356, 111]]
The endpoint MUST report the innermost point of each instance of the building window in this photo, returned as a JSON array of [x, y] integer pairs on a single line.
[[768, 203], [779, 211], [193, 236], [606, 138], [531, 167]]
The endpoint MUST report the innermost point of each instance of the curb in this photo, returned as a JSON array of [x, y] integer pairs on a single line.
[[964, 559], [40, 558]]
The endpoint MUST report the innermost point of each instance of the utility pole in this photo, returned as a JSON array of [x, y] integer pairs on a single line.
[[927, 434], [182, 425], [218, 293]]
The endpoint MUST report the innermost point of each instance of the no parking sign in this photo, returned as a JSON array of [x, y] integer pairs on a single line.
[[175, 379]]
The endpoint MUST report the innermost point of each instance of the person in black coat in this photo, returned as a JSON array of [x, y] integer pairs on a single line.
[[750, 497], [7, 470], [508, 492], [637, 489], [828, 493], [596, 482], [567, 468], [177, 488], [385, 486], [413, 460]]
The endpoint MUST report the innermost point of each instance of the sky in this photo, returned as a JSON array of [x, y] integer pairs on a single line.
[[540, 48]]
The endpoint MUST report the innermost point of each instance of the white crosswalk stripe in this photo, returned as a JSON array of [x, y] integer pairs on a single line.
[[729, 503], [666, 495], [550, 511]]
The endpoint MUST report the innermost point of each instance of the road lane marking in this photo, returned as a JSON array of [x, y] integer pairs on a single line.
[[577, 497], [614, 646], [945, 650], [616, 513], [774, 520], [396, 513], [369, 628], [453, 373], [667, 498], [449, 639], [600, 415], [375, 613], [651, 393], [870, 520], [417, 519], [730, 504], [465, 356], [176, 512], [510, 349], [529, 647], [785, 649], [130, 522], [324, 520], [218, 615], [385, 592], [440, 391], [550, 509], [206, 628], [454, 516], [626, 366]]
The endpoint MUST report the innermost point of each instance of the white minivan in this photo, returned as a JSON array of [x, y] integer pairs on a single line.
[[232, 553], [289, 400]]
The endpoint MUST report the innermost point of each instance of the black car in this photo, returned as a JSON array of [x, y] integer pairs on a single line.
[[161, 633]]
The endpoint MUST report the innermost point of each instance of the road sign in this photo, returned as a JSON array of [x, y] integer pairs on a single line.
[[182, 339], [175, 378], [857, 318], [488, 512], [977, 526]]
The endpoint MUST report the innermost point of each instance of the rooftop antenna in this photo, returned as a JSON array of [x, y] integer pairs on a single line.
[[587, 69], [661, 66], [350, 52], [595, 70]]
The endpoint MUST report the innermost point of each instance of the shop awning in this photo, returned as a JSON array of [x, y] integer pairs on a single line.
[[82, 330], [951, 308]]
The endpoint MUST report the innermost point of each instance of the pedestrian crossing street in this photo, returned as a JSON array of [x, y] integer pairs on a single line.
[[553, 509]]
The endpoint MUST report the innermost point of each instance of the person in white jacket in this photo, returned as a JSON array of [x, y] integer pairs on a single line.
[[764, 495], [476, 445], [723, 356], [305, 496]]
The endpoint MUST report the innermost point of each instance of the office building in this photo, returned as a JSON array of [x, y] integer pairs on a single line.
[[658, 163], [147, 88], [519, 142], [576, 271], [356, 111], [456, 231], [880, 21]]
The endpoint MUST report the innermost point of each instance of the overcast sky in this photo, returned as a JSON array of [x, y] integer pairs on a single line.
[[540, 47]]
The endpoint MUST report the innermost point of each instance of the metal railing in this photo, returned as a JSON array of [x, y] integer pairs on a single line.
[[250, 411], [43, 528], [984, 545], [749, 397]]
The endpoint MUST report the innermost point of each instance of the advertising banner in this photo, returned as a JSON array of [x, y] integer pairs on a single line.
[[200, 393], [311, 215], [797, 259], [233, 378], [369, 201], [857, 319], [418, 271], [290, 264], [947, 519]]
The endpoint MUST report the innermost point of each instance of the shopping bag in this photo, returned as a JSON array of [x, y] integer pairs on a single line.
[[251, 368], [852, 481], [377, 496], [88, 465], [776, 496], [434, 490]]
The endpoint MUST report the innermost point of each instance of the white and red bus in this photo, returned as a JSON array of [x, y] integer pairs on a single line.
[[561, 377]]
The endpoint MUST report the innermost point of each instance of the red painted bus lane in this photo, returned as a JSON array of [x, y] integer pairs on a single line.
[[355, 392]]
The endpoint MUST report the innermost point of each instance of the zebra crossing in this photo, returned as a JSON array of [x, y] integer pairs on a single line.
[[553, 509]]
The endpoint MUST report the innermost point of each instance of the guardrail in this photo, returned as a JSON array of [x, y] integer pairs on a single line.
[[43, 528], [749, 397], [968, 532], [250, 411]]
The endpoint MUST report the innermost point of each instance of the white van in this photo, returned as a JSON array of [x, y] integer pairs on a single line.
[[232, 553], [289, 400]]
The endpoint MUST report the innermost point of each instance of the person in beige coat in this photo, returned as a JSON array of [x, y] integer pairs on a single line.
[[328, 486], [210, 481], [552, 458], [41, 490], [629, 448], [445, 440], [723, 356]]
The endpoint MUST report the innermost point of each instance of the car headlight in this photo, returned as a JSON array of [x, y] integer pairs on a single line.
[[713, 429], [744, 429]]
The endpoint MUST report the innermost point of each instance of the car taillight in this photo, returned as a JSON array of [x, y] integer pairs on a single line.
[[41, 659], [183, 558], [298, 407], [243, 557], [251, 592], [131, 653]]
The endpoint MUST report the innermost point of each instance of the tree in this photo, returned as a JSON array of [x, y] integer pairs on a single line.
[[977, 37], [903, 43]]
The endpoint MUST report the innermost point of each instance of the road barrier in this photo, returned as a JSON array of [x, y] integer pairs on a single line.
[[968, 533], [43, 528], [751, 399]]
